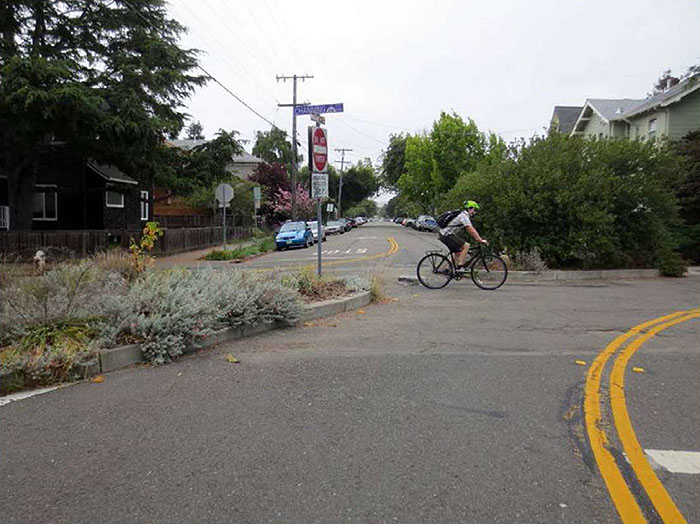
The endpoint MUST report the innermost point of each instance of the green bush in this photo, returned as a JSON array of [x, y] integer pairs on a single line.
[[262, 245], [583, 203]]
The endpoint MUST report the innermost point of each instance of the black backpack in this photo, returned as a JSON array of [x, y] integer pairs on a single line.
[[446, 217]]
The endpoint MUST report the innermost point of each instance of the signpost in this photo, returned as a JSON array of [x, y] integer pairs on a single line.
[[224, 194], [318, 159]]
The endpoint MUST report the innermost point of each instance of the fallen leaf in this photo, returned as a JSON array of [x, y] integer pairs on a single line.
[[98, 379], [360, 311], [233, 360], [580, 362], [638, 370], [179, 374]]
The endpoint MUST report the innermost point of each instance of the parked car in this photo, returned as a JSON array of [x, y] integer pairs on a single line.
[[314, 230], [430, 224], [352, 222], [422, 223], [346, 225], [334, 227], [293, 234], [360, 220], [409, 222]]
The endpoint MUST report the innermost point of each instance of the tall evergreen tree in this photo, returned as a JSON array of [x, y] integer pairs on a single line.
[[104, 78]]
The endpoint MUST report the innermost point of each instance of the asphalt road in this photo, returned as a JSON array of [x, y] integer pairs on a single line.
[[458, 405]]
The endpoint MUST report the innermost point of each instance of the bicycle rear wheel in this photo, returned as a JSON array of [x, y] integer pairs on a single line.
[[489, 272], [434, 271]]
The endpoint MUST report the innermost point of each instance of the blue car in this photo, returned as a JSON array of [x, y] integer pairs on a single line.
[[293, 234]]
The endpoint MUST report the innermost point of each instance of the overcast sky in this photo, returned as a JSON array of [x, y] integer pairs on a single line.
[[396, 65]]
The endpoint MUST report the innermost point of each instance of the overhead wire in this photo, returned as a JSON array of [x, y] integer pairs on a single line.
[[225, 88], [239, 65], [233, 16]]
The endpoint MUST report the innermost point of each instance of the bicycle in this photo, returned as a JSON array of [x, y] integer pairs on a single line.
[[486, 268]]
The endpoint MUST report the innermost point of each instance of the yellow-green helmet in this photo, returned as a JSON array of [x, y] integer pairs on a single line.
[[470, 203]]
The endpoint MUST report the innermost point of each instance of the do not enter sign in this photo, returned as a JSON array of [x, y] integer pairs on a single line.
[[319, 150]]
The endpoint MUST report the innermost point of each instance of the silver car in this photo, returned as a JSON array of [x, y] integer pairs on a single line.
[[334, 227], [314, 230]]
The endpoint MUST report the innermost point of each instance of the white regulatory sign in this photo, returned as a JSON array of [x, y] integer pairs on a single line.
[[319, 185]]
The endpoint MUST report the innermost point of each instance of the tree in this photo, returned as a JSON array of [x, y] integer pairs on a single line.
[[689, 196], [103, 80], [394, 161], [274, 147], [433, 162], [195, 131], [366, 208], [458, 146], [359, 182], [282, 206], [664, 81], [203, 166], [419, 183], [583, 203]]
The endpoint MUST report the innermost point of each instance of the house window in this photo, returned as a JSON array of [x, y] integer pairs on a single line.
[[45, 204], [144, 205], [114, 199], [652, 128]]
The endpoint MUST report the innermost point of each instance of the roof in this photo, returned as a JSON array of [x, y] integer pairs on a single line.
[[670, 96], [245, 158], [612, 109], [567, 116], [110, 173], [188, 143]]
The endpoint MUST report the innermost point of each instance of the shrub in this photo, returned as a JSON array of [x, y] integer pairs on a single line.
[[586, 204], [529, 260], [167, 311], [262, 245], [49, 354]]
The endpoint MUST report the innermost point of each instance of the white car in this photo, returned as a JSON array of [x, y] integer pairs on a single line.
[[334, 227], [314, 230]]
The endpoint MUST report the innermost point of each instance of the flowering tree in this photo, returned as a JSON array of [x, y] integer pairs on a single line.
[[282, 203]]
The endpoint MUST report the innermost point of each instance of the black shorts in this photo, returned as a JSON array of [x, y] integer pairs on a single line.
[[453, 242]]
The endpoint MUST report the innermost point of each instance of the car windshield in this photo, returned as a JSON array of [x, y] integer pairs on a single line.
[[292, 226], [333, 224], [313, 225]]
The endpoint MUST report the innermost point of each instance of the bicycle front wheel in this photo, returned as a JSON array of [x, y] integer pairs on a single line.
[[434, 271], [489, 272]]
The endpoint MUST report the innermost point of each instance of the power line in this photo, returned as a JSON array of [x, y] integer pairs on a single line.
[[234, 95], [238, 66]]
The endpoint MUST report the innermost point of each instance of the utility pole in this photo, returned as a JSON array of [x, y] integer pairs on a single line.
[[294, 105], [340, 182]]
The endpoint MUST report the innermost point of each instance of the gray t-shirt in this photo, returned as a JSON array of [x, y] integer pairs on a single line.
[[457, 224]]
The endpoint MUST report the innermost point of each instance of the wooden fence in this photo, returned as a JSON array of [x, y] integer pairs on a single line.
[[76, 244]]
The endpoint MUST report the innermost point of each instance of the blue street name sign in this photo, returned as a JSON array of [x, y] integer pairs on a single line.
[[324, 108]]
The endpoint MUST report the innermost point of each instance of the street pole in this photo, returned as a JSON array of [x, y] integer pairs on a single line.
[[340, 182], [293, 105]]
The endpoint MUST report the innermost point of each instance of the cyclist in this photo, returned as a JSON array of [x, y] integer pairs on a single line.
[[452, 235]]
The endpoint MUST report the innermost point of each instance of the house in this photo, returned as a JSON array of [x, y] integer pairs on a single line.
[[673, 113], [564, 118], [76, 193], [242, 165]]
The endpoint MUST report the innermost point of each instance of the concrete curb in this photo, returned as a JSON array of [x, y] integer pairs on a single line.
[[557, 275], [121, 357]]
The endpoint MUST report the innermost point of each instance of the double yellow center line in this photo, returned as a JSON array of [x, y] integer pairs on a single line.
[[620, 493]]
